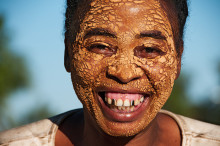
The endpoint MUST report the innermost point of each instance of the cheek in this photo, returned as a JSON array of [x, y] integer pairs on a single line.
[[161, 73], [85, 69], [86, 66]]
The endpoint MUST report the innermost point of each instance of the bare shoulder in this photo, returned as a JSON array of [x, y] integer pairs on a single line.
[[170, 133], [71, 130]]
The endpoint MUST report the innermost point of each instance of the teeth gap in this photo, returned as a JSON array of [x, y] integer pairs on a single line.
[[133, 103]]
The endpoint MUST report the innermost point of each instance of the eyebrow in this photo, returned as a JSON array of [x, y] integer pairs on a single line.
[[153, 34], [99, 32]]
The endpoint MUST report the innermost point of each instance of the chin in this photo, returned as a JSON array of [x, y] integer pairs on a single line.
[[116, 121]]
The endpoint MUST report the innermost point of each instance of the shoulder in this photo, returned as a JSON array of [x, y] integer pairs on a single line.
[[34, 133], [196, 132], [38, 133]]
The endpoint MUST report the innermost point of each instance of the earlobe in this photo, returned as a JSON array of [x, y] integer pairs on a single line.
[[67, 63]]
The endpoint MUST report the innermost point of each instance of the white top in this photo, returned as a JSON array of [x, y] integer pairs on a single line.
[[42, 133]]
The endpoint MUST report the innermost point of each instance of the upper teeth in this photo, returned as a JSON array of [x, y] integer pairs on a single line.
[[126, 102]]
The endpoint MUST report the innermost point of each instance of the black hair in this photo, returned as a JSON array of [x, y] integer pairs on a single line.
[[74, 18], [182, 13]]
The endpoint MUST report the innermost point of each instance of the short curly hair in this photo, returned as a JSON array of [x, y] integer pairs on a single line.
[[74, 18]]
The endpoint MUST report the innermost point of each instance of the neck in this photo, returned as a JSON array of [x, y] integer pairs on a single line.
[[94, 135]]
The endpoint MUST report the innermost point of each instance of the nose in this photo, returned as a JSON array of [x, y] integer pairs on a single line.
[[124, 73]]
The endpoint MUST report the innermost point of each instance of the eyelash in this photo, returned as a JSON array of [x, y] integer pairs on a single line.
[[148, 52], [139, 51], [151, 49], [102, 48]]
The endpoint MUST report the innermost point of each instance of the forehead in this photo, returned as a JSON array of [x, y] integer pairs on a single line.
[[127, 15]]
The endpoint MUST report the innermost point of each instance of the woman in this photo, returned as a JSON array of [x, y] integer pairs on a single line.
[[123, 56]]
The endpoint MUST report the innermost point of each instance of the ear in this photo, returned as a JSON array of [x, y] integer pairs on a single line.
[[67, 63], [179, 59]]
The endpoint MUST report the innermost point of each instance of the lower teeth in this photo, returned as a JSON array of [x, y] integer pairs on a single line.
[[123, 108]]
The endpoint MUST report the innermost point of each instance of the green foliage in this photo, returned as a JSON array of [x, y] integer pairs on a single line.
[[40, 112], [209, 112], [179, 102], [13, 72], [14, 75], [7, 121]]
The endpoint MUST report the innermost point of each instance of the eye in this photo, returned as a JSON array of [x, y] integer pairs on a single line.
[[102, 48], [147, 52]]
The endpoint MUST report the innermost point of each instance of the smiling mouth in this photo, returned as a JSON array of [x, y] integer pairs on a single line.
[[123, 103]]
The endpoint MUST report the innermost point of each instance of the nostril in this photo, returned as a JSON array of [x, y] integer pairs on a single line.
[[115, 79], [135, 78], [124, 73]]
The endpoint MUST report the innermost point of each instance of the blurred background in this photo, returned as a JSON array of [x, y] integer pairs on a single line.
[[35, 85]]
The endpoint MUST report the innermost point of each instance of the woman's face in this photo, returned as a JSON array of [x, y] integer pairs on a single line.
[[123, 64]]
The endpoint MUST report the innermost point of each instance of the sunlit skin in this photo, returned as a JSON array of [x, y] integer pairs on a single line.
[[124, 47]]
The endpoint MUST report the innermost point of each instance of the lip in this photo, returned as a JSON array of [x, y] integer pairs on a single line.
[[123, 116]]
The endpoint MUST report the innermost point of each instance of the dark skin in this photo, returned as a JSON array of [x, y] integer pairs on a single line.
[[83, 128], [166, 132]]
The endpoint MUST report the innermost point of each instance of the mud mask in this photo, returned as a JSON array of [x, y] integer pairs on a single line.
[[123, 64]]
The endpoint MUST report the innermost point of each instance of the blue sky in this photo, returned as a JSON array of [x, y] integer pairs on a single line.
[[36, 29]]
